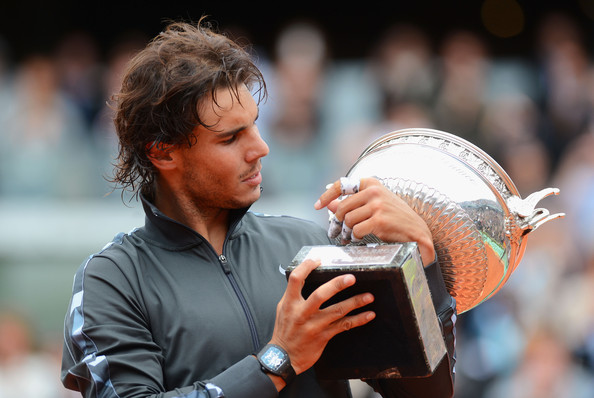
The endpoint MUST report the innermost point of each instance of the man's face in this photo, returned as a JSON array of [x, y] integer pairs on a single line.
[[222, 169]]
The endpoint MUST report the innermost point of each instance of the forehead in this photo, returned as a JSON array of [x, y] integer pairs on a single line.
[[227, 105]]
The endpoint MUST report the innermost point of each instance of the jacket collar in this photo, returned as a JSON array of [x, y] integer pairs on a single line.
[[167, 232]]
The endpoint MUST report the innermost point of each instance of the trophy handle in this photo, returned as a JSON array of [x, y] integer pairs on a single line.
[[529, 216]]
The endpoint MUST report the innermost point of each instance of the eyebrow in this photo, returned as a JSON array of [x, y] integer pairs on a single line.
[[233, 132], [229, 134]]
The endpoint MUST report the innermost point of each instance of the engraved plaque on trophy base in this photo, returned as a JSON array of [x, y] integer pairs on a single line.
[[404, 340]]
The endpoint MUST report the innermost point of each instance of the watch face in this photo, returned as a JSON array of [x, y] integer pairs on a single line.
[[273, 358]]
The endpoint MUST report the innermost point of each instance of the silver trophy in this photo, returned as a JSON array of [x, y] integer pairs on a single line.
[[479, 225], [478, 220]]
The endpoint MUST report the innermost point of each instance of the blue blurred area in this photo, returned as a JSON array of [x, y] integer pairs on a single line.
[[521, 89]]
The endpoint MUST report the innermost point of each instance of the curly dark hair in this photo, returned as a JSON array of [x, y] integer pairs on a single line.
[[162, 89]]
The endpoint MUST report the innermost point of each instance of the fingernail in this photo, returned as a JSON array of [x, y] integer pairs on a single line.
[[318, 205], [349, 279]]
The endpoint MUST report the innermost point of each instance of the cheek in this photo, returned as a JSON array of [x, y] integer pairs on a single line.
[[217, 174], [217, 167]]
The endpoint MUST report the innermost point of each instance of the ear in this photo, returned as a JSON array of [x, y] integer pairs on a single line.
[[160, 155]]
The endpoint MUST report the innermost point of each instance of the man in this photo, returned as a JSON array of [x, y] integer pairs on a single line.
[[183, 306]]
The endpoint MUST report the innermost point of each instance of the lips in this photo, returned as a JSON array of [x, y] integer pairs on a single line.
[[254, 178]]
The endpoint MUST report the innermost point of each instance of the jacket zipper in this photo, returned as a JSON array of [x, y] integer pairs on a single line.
[[225, 265]]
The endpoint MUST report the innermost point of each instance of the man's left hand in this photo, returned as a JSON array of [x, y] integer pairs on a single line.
[[374, 209]]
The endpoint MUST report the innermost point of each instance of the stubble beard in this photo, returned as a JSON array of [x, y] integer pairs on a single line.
[[210, 196]]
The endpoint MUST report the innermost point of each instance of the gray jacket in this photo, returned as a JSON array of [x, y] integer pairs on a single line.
[[157, 313]]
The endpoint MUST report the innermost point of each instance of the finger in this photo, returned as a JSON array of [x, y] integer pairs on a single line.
[[356, 216], [345, 234], [345, 307], [341, 187], [350, 322], [364, 199], [329, 290], [362, 229], [369, 216], [339, 312], [334, 227], [332, 192], [344, 186], [298, 276], [333, 205], [349, 185]]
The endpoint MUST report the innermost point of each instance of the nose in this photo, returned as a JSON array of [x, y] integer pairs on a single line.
[[258, 147]]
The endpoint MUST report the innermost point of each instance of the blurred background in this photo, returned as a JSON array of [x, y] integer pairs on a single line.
[[514, 78]]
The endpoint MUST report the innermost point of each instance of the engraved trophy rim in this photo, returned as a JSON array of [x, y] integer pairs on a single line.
[[483, 156]]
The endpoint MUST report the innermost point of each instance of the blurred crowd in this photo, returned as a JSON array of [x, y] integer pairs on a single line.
[[533, 114]]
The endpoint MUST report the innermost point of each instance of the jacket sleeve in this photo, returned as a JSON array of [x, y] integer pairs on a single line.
[[441, 383], [109, 351]]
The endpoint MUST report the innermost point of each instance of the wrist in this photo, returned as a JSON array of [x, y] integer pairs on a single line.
[[278, 382], [275, 361]]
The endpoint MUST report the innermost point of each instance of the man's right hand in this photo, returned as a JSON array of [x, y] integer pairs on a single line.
[[302, 328]]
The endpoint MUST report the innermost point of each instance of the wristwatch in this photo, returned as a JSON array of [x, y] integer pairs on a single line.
[[273, 359]]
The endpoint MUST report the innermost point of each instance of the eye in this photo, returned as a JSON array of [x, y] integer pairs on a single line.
[[230, 140]]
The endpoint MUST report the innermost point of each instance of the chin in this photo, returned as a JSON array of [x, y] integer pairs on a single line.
[[249, 200], [255, 198]]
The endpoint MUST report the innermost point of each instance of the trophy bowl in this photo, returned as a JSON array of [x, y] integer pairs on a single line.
[[477, 218]]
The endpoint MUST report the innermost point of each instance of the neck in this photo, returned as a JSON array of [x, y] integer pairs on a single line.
[[211, 223]]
